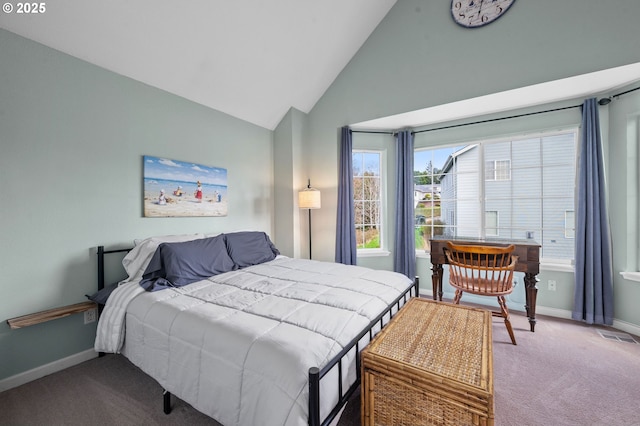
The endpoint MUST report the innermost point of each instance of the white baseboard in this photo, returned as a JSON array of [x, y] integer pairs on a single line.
[[553, 312], [626, 326], [45, 370], [562, 313]]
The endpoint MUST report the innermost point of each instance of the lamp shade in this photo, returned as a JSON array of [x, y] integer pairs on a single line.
[[309, 198]]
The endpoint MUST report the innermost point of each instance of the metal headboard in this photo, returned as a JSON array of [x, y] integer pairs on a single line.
[[101, 253]]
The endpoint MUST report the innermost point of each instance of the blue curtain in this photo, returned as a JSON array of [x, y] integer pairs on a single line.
[[346, 251], [404, 259], [593, 297]]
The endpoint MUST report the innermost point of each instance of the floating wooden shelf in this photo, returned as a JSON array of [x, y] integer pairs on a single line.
[[51, 314]]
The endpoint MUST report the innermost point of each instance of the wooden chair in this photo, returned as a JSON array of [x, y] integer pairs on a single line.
[[485, 271]]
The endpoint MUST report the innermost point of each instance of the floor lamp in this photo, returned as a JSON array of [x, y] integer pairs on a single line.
[[309, 198]]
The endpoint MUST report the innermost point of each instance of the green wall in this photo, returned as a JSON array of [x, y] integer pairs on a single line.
[[289, 178], [72, 137], [418, 57]]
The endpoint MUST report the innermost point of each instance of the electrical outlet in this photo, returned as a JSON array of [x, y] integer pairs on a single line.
[[90, 316], [552, 285]]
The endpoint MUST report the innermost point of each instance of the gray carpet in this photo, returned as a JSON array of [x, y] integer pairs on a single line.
[[565, 373]]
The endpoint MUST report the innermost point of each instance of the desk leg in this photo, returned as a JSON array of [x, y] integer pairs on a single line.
[[436, 281], [531, 294]]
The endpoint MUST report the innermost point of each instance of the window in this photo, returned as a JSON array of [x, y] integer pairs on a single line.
[[528, 191], [367, 198], [491, 223], [570, 224], [497, 170]]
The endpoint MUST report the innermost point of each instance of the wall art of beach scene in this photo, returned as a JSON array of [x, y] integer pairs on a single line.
[[175, 188]]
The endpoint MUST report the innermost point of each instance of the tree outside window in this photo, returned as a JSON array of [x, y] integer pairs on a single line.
[[367, 198]]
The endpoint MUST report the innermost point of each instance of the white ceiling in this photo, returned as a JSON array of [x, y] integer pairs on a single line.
[[252, 59]]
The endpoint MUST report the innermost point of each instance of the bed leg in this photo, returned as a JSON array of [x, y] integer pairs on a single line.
[[314, 396], [166, 399]]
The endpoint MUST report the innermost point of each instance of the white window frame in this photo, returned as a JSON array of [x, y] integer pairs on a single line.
[[364, 252], [633, 180]]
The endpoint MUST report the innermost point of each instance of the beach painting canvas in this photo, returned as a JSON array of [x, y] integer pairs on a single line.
[[177, 188]]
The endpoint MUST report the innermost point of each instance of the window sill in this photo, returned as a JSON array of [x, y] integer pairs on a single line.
[[422, 255], [544, 266], [556, 267], [373, 253], [631, 276]]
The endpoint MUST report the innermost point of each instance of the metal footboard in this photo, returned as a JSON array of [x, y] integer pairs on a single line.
[[316, 374]]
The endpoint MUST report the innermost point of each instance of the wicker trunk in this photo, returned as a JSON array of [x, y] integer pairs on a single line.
[[431, 365]]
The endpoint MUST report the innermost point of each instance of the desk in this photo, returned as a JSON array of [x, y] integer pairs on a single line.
[[528, 252]]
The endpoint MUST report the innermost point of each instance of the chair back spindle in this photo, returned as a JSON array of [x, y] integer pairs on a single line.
[[483, 270]]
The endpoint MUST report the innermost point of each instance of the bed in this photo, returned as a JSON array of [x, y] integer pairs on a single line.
[[241, 333]]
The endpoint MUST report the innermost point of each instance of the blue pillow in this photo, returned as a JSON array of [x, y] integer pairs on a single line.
[[250, 248], [101, 296], [179, 264]]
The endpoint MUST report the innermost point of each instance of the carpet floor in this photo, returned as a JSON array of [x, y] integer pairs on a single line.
[[564, 374]]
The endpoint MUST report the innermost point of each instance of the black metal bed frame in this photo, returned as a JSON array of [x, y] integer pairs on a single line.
[[315, 373]]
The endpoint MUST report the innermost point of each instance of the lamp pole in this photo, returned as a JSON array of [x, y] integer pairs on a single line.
[[309, 198], [309, 233], [309, 210]]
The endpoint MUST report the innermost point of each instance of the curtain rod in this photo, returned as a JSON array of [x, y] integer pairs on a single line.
[[623, 93], [496, 119], [469, 124], [373, 132], [603, 101]]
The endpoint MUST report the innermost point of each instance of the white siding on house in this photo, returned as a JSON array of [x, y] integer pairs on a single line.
[[531, 199], [558, 186], [468, 216], [448, 202], [461, 194]]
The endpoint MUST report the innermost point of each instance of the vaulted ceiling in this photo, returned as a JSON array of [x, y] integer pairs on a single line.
[[251, 59]]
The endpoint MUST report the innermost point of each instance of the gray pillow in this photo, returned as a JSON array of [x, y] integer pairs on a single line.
[[250, 248], [101, 296], [178, 264]]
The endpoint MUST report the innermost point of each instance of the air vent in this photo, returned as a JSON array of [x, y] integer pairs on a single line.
[[620, 337]]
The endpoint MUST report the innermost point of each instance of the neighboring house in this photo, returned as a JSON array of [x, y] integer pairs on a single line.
[[459, 193], [426, 192], [522, 188]]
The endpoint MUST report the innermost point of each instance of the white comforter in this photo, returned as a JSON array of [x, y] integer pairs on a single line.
[[238, 346]]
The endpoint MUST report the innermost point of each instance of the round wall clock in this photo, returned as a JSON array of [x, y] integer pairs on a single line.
[[476, 13]]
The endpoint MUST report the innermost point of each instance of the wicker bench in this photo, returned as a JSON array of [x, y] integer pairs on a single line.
[[431, 365]]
